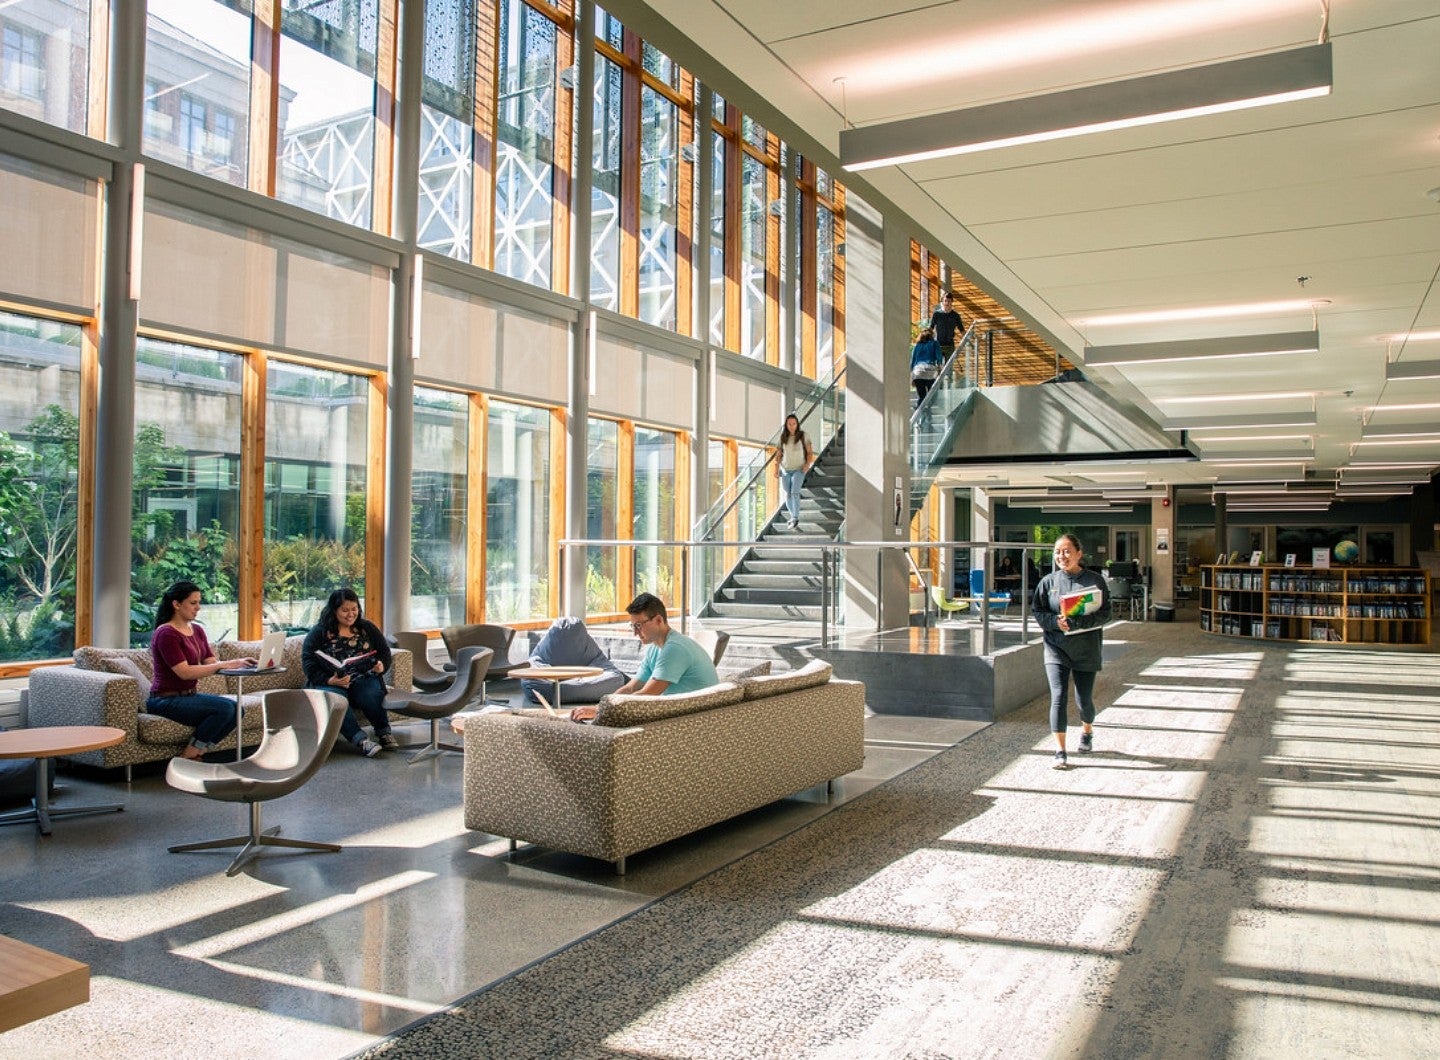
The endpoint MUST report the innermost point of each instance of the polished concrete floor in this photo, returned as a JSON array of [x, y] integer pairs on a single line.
[[1306, 778], [318, 955]]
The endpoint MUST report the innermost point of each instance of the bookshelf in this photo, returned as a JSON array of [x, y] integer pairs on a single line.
[[1345, 605]]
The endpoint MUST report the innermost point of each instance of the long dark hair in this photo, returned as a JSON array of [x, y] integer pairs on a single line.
[[327, 621], [786, 436], [172, 596]]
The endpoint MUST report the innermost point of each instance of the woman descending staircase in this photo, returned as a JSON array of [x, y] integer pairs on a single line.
[[784, 583]]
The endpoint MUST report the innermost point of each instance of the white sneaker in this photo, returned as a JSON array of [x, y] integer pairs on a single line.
[[369, 748]]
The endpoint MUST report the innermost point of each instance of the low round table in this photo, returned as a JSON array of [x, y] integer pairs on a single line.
[[555, 675], [239, 673], [43, 745]]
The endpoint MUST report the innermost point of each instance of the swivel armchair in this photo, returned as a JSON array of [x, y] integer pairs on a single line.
[[425, 676], [301, 725], [470, 670]]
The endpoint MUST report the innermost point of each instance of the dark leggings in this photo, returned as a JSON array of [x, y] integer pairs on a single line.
[[922, 387], [367, 695], [1084, 680]]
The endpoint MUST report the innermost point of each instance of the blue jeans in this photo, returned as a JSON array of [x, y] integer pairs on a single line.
[[1060, 676], [793, 481], [212, 717], [367, 695]]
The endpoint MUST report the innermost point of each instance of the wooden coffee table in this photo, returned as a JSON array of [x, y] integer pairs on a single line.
[[44, 744]]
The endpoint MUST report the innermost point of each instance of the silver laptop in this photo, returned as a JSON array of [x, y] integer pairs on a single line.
[[270, 649]]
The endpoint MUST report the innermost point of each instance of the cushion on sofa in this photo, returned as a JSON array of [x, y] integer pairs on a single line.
[[622, 712], [815, 672], [760, 669], [87, 658], [123, 664]]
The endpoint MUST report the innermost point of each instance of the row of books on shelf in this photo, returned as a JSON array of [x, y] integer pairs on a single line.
[[1413, 609], [1303, 583], [1303, 607], [1267, 629], [1229, 579], [1413, 584]]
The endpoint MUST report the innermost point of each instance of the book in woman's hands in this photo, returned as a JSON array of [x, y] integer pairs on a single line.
[[1080, 603], [356, 664]]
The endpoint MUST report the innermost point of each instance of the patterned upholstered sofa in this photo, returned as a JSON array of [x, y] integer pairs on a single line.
[[101, 689], [654, 768]]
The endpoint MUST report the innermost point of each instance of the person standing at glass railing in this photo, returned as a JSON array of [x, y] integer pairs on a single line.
[[795, 457], [947, 325]]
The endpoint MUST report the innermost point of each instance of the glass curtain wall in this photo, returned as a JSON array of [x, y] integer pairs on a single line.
[[439, 495], [316, 425], [327, 107], [517, 512], [39, 486], [44, 61], [659, 206], [447, 109], [197, 87], [753, 223], [602, 512], [824, 292], [606, 156], [717, 235], [525, 143], [185, 520], [656, 569]]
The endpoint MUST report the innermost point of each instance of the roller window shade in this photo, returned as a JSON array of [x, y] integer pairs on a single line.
[[473, 342], [746, 409], [218, 278], [49, 227], [641, 384]]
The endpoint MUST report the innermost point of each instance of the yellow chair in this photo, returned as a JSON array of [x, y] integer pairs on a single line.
[[947, 607]]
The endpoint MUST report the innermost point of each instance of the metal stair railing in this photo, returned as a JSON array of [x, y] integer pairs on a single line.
[[742, 510], [936, 420]]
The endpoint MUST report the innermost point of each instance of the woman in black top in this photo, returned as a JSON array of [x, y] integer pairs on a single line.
[[1073, 644], [360, 657]]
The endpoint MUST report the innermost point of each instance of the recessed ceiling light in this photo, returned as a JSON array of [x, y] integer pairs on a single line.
[[1423, 407], [1134, 353], [1415, 336], [1208, 312], [1286, 395], [1236, 84]]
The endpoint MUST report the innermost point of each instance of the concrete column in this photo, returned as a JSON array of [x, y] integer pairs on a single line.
[[407, 325], [1222, 528], [700, 432], [115, 421], [790, 276], [1162, 564], [877, 408], [577, 435], [945, 571], [982, 528]]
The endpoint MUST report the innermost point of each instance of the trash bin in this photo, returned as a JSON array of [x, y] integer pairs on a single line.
[[1164, 612]]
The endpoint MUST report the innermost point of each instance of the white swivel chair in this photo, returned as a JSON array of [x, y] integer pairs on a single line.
[[301, 725]]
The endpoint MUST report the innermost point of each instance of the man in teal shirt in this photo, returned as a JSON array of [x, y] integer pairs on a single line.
[[673, 662]]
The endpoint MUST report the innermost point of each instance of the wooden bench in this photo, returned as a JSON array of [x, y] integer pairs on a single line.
[[36, 983]]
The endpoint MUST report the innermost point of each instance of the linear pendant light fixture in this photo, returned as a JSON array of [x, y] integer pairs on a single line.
[[1197, 349], [1257, 81]]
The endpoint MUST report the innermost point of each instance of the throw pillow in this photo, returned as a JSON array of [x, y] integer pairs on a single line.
[[760, 669], [622, 712], [815, 672], [119, 664]]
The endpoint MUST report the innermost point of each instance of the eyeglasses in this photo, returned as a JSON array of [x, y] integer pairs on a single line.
[[636, 626]]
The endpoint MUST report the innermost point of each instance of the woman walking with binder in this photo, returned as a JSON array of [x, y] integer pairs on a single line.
[[1072, 606]]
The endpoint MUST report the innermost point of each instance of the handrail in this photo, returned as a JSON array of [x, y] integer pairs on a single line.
[[965, 341], [827, 548]]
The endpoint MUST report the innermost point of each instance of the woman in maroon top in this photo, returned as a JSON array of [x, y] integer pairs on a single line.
[[180, 655]]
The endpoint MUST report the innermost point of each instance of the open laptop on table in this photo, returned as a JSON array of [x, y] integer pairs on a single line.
[[270, 649]]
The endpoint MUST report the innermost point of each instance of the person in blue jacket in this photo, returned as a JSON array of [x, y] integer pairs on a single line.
[[924, 363], [1073, 643]]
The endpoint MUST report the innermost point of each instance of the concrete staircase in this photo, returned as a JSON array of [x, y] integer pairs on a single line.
[[784, 584]]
